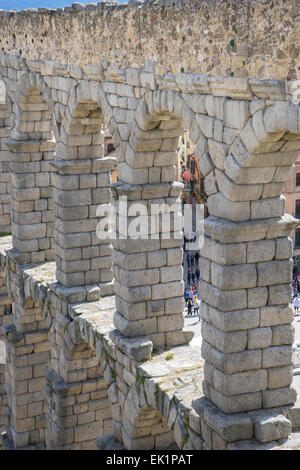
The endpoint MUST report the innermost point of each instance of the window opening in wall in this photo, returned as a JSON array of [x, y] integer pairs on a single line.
[[297, 209], [297, 238]]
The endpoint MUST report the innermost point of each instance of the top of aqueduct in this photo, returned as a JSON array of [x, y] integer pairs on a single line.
[[256, 38]]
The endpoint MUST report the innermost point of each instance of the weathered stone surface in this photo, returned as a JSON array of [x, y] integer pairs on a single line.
[[280, 376], [233, 277], [259, 338], [232, 321], [237, 192], [230, 342], [219, 206], [279, 397], [245, 266], [259, 251], [236, 113], [224, 301], [230, 427], [279, 315], [270, 426], [277, 356], [274, 272], [243, 382]]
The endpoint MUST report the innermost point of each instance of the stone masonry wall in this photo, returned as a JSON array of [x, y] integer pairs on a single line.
[[5, 119], [82, 362], [255, 38], [155, 399]]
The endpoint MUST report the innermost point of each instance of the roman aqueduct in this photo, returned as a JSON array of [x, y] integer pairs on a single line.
[[88, 325]]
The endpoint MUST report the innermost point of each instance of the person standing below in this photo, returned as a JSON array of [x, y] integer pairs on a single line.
[[192, 260], [296, 305], [186, 296], [188, 277], [188, 260], [196, 306], [197, 256], [197, 272], [190, 307], [193, 277], [295, 291]]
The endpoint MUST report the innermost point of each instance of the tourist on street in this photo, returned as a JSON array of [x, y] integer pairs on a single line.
[[196, 305], [197, 272], [193, 277], [296, 305], [190, 307], [188, 277], [295, 291], [188, 260], [192, 260], [197, 256], [186, 295]]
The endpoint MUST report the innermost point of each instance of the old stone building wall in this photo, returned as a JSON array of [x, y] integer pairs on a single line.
[[255, 38], [96, 350]]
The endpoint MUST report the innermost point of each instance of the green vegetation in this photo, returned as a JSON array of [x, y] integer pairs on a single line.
[[169, 356]]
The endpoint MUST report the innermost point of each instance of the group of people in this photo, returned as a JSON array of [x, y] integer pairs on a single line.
[[191, 300], [192, 262], [296, 299]]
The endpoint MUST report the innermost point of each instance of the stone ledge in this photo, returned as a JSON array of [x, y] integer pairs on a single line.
[[225, 231], [138, 348]]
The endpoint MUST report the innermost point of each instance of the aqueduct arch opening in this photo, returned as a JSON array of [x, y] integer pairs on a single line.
[[82, 183], [79, 410], [143, 427], [32, 147]]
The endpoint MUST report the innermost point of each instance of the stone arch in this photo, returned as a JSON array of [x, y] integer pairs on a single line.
[[149, 166], [32, 146], [5, 130], [34, 109], [28, 358], [153, 139], [255, 164], [247, 212], [82, 183], [79, 400], [88, 100], [144, 427]]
